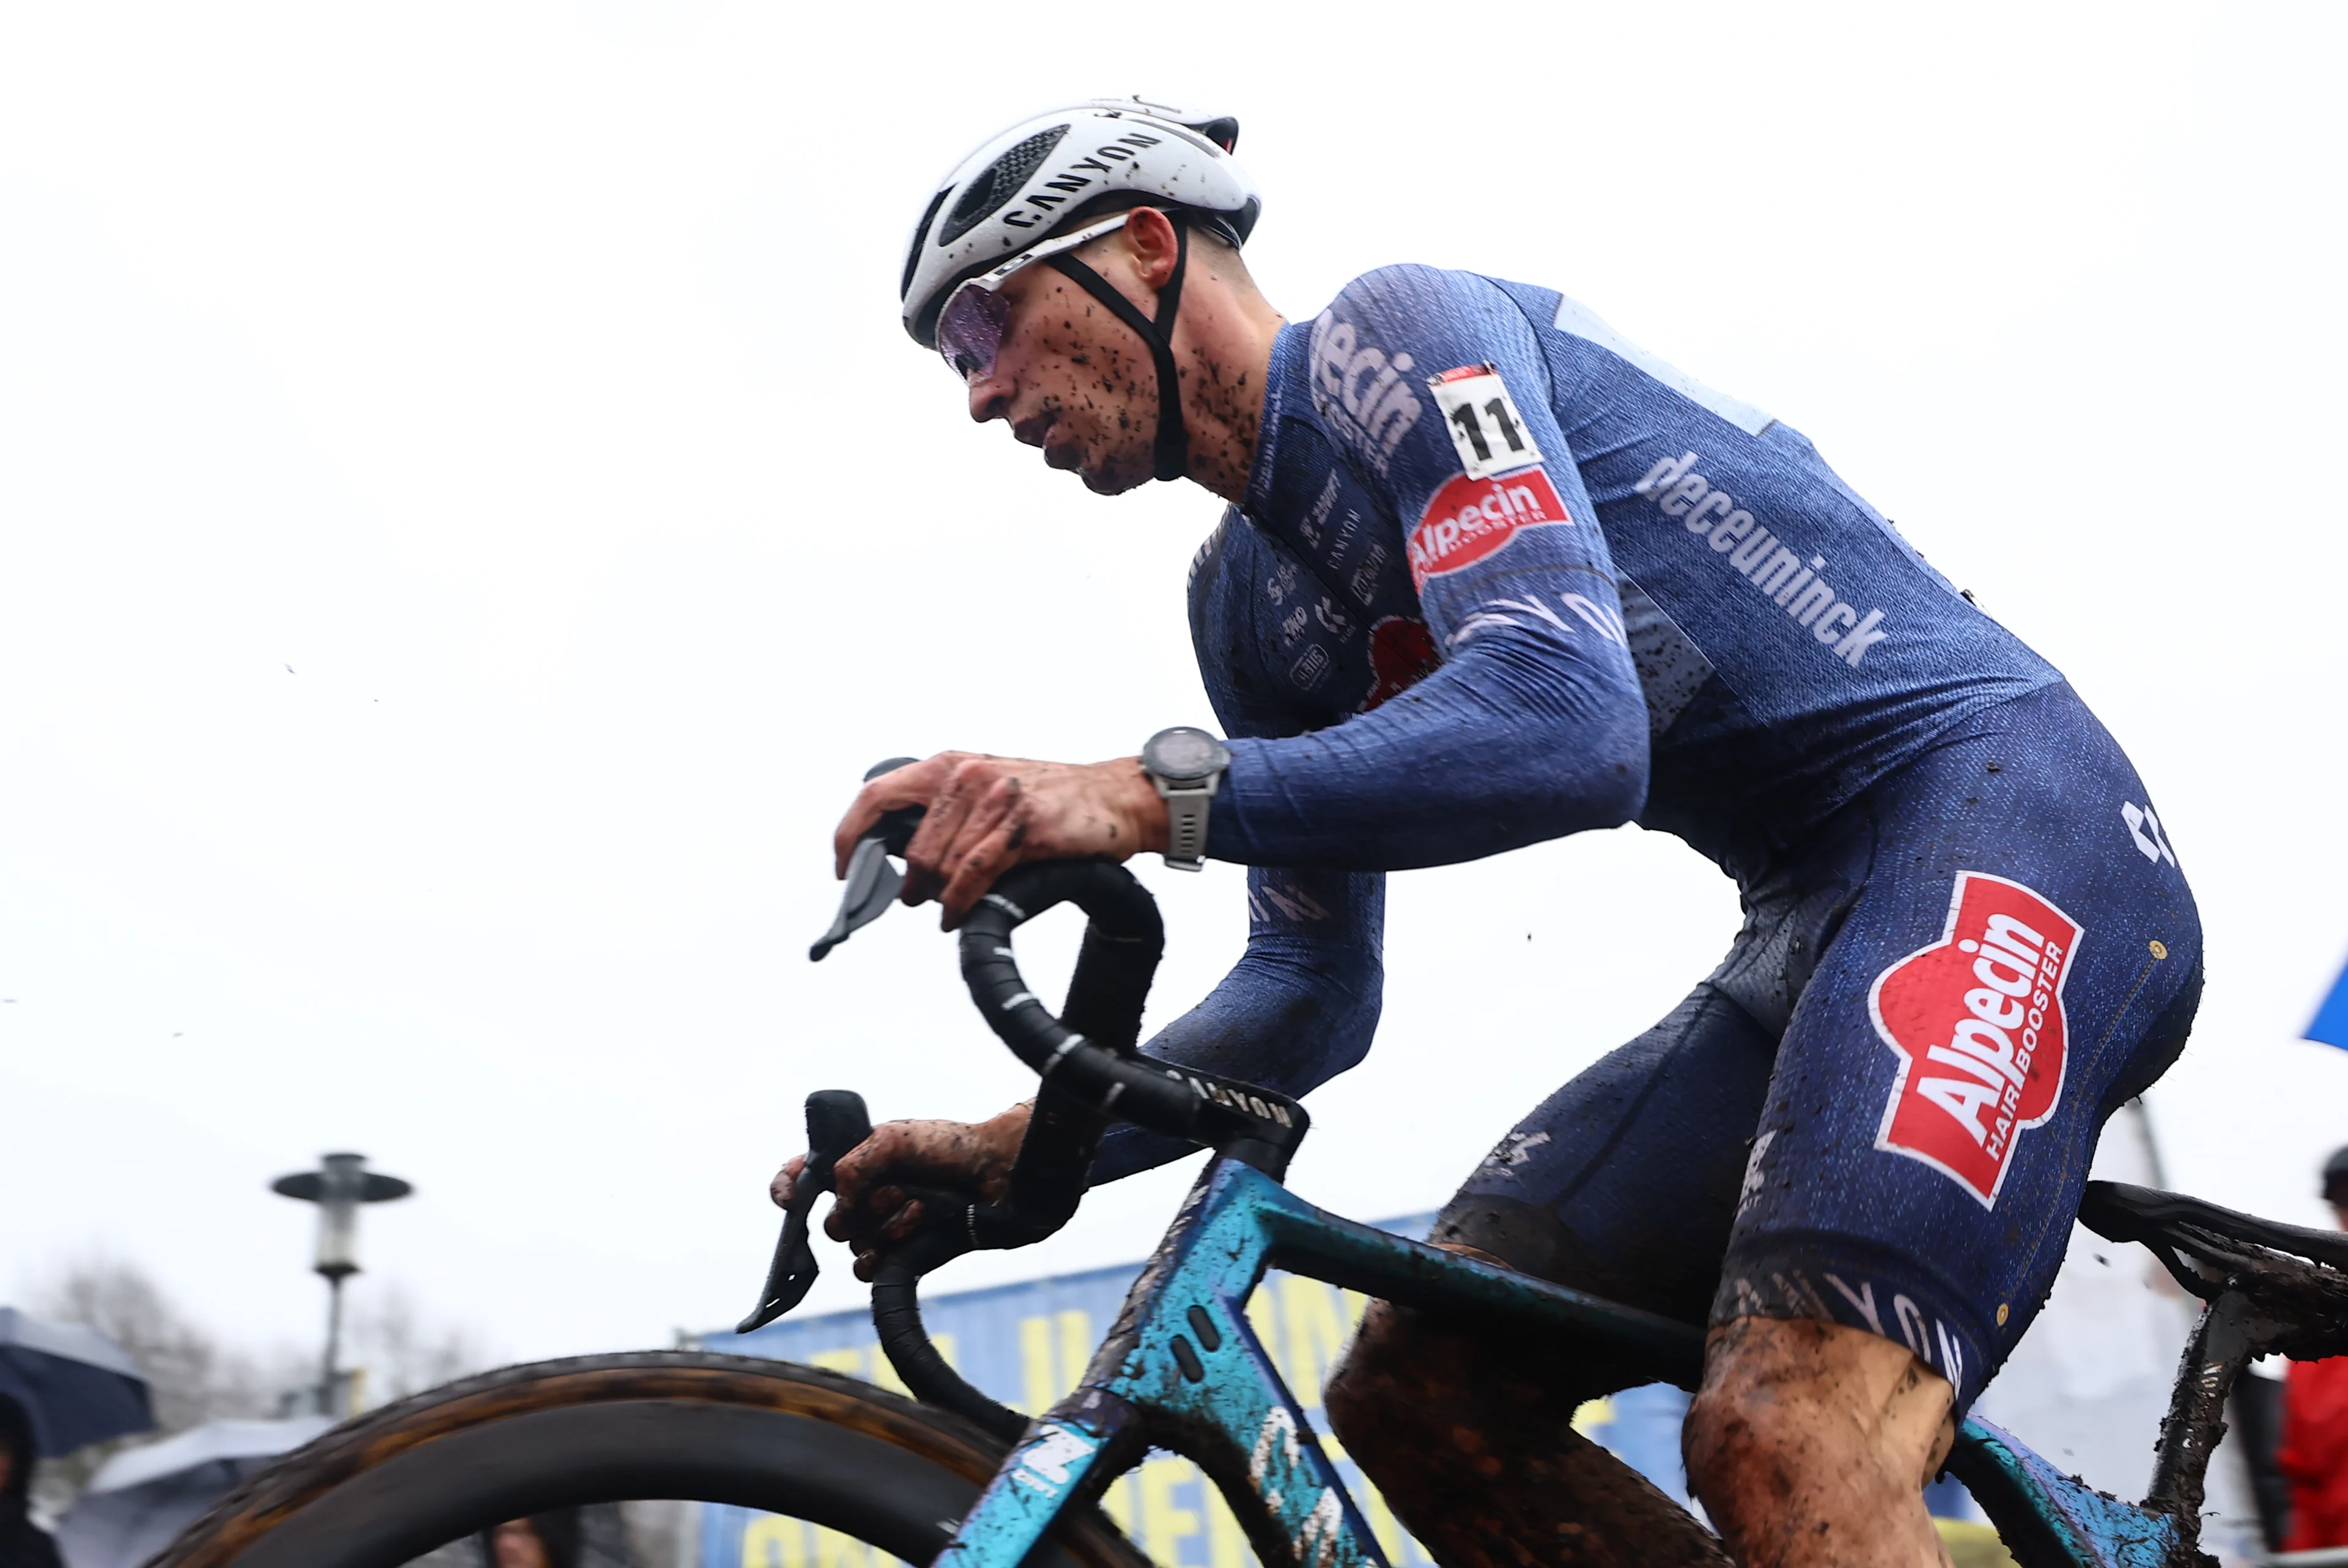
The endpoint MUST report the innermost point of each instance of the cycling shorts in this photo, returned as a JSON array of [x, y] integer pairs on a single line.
[[1880, 1111]]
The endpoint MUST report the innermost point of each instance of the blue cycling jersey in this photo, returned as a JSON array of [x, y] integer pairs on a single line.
[[1501, 575], [1649, 600]]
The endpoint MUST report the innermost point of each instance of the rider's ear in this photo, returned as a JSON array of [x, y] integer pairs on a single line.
[[1150, 238]]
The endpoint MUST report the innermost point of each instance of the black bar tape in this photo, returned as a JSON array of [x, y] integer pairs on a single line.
[[897, 1316], [1164, 1099]]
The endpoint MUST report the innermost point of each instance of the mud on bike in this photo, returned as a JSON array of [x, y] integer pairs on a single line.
[[953, 1478]]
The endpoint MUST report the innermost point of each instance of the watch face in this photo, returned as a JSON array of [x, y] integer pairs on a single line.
[[1183, 753]]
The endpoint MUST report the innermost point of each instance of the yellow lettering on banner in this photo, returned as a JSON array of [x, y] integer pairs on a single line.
[[1383, 1523], [848, 1361], [1263, 1318], [1315, 1320], [834, 1550], [1390, 1536], [1053, 1353], [1075, 1349], [1591, 1414], [1164, 1526], [1227, 1544], [771, 1541], [885, 1371], [1035, 1363], [1118, 1502]]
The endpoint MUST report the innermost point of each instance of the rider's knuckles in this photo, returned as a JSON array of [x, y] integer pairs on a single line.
[[867, 1163], [916, 783], [966, 792], [977, 874], [988, 849], [977, 791], [926, 856]]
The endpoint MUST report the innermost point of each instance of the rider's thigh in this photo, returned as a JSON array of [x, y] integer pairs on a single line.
[[1623, 1182], [2025, 955]]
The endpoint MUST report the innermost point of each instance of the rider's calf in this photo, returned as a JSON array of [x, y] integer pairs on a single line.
[[1469, 1436], [1811, 1443]]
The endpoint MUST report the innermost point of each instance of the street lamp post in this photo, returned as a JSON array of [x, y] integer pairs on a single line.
[[338, 1187]]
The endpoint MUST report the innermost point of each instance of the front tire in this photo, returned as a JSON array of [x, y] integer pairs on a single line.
[[392, 1485]]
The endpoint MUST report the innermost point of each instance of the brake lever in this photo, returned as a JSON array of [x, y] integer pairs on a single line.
[[836, 1123], [872, 883]]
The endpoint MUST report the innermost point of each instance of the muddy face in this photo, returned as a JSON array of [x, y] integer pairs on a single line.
[[1074, 381]]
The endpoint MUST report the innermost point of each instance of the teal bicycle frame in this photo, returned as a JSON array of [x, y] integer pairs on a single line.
[[1182, 1369]]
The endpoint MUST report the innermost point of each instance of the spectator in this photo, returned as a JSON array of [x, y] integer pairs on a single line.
[[2314, 1452], [22, 1544], [542, 1540]]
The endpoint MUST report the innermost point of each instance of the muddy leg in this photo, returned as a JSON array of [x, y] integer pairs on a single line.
[[1810, 1444], [1470, 1437]]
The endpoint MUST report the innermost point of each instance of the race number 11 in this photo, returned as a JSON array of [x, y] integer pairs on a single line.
[[1483, 421]]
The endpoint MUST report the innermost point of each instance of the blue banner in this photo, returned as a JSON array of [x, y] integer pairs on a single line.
[[2331, 1025], [1027, 1344]]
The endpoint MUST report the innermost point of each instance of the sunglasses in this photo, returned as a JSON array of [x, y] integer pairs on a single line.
[[971, 326]]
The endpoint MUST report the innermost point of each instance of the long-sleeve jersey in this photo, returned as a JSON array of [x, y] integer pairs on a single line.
[[1501, 576]]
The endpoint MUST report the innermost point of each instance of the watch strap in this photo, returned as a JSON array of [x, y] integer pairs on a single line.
[[1185, 824]]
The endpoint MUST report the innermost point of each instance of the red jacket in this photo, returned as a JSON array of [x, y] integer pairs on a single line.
[[2314, 1452]]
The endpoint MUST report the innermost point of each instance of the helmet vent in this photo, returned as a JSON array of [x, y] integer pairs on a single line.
[[1224, 131], [913, 251], [998, 183]]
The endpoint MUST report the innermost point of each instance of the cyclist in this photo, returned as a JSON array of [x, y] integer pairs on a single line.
[[1490, 575]]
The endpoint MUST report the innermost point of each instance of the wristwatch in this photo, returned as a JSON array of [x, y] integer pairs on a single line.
[[1186, 764]]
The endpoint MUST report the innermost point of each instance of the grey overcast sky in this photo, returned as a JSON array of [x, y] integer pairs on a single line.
[[468, 515]]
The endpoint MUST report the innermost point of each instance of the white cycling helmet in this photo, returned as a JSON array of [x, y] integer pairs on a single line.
[[999, 209], [1018, 186]]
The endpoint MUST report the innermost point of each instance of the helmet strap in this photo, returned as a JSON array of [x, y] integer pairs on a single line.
[[1173, 446]]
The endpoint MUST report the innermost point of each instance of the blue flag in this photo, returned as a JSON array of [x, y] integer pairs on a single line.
[[2331, 1025]]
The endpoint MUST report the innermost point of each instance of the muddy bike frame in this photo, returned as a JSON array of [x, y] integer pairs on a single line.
[[1183, 1370]]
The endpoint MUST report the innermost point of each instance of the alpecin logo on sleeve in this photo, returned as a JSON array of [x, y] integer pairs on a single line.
[[1469, 519], [1976, 1019]]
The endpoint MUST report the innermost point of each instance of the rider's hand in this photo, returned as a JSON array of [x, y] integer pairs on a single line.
[[987, 815], [872, 1209]]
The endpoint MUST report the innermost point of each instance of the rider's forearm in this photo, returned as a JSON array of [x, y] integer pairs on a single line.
[[1298, 1009], [1507, 745]]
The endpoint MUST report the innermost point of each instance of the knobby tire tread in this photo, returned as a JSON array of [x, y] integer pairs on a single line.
[[524, 1439]]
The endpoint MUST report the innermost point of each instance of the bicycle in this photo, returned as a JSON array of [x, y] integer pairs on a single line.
[[961, 1482]]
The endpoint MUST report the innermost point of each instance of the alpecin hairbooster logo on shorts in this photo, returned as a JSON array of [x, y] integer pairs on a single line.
[[1977, 1021], [1469, 519]]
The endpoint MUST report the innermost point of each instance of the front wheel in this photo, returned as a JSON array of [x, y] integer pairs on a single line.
[[770, 1435]]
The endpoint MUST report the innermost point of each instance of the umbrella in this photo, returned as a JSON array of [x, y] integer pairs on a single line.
[[141, 1499], [76, 1386]]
